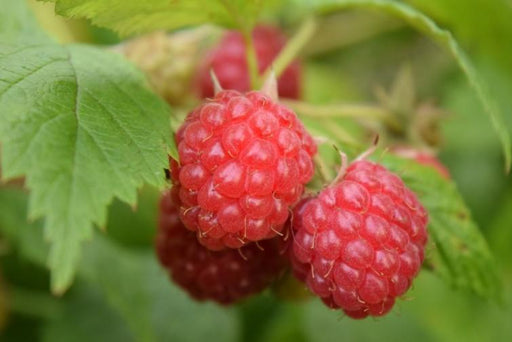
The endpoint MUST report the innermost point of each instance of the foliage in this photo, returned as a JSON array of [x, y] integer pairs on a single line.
[[83, 132], [134, 16], [82, 127]]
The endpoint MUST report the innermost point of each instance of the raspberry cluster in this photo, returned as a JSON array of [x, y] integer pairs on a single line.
[[229, 62], [225, 276], [243, 161], [359, 243]]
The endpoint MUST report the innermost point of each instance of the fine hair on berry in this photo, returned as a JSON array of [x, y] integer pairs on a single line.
[[360, 243], [243, 161], [224, 276]]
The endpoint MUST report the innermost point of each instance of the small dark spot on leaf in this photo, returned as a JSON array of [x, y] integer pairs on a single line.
[[462, 215]]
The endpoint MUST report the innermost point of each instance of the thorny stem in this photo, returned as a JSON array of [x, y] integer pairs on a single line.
[[292, 48], [345, 110]]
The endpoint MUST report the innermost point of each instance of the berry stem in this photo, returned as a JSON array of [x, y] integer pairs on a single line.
[[269, 87], [344, 110], [343, 168], [370, 150], [292, 48], [217, 88], [252, 61]]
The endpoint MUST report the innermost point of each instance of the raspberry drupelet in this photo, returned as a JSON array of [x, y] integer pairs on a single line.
[[224, 276], [243, 161], [360, 243]]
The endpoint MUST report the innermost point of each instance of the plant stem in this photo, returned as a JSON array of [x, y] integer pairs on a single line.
[[252, 61], [292, 48], [345, 110], [342, 135]]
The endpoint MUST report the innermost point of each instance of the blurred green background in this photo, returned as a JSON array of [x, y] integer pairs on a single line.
[[121, 293]]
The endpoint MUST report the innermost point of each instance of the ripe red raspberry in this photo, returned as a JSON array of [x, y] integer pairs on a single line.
[[244, 160], [359, 243], [225, 276], [229, 62], [423, 157]]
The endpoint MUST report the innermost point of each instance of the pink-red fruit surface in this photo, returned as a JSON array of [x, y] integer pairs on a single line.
[[229, 62], [360, 243], [225, 276], [243, 160]]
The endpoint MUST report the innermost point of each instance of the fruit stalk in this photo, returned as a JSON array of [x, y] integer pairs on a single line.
[[252, 61], [292, 48], [344, 110]]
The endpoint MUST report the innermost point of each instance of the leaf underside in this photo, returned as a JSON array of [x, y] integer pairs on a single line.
[[133, 16]]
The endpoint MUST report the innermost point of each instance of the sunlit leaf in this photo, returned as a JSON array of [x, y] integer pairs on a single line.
[[18, 24], [134, 16], [79, 123]]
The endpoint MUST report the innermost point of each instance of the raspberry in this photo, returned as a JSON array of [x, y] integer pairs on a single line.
[[225, 276], [229, 62], [423, 157], [169, 61], [244, 160], [360, 243]]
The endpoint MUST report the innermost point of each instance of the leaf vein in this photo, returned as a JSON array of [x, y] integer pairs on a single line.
[[24, 77]]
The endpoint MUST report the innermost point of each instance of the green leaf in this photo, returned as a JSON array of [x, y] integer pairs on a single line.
[[481, 184], [85, 316], [446, 314], [322, 324], [134, 16], [121, 294], [500, 232], [17, 23], [444, 38], [135, 228], [461, 255], [80, 124], [486, 27], [27, 238], [136, 287]]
